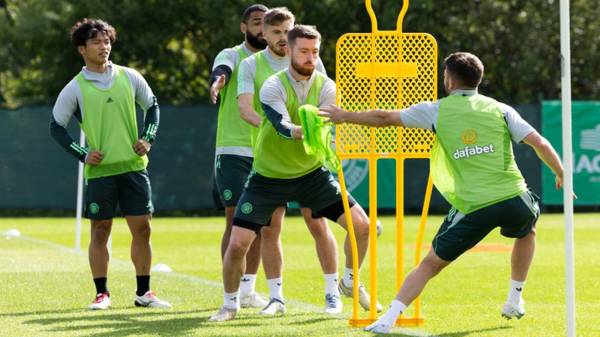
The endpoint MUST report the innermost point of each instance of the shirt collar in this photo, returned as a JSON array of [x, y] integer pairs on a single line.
[[464, 92], [92, 74], [293, 80], [246, 49], [271, 55]]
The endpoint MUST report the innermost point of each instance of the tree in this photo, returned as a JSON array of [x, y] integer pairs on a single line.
[[173, 43]]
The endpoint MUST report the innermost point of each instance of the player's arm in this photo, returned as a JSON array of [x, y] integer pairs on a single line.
[[547, 154], [246, 93], [65, 107], [521, 131], [218, 78], [422, 115], [145, 98], [272, 99], [221, 73], [246, 105], [378, 118]]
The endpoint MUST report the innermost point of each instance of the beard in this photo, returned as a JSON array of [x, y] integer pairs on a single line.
[[277, 49], [302, 69], [256, 41]]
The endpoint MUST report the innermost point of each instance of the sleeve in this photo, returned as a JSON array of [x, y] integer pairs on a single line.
[[272, 99], [224, 64], [422, 115], [218, 71], [321, 67], [145, 98], [327, 96], [65, 107], [517, 126], [227, 57], [246, 73], [151, 121]]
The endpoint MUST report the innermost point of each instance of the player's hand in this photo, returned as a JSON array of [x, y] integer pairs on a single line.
[[215, 88], [297, 132], [333, 113], [559, 184], [94, 158], [141, 147]]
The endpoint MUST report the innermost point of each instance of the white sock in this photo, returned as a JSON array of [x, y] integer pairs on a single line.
[[247, 283], [231, 300], [331, 284], [389, 318], [276, 288], [515, 291], [348, 277]]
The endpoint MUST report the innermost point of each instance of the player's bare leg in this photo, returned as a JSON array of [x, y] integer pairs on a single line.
[[248, 295], [327, 252]]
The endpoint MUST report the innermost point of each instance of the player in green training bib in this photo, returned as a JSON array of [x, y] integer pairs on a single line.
[[233, 153], [102, 97], [254, 71], [473, 167], [283, 172]]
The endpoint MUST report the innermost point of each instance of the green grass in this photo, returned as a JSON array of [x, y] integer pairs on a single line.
[[45, 286]]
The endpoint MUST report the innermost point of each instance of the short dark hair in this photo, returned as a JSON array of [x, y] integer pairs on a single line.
[[251, 9], [275, 16], [90, 28], [303, 31], [465, 68]]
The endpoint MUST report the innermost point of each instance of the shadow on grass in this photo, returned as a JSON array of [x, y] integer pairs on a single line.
[[313, 320], [465, 333], [125, 323], [121, 322]]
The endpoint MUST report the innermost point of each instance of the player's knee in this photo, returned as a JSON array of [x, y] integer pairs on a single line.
[[142, 232], [100, 232], [270, 233], [432, 265], [529, 238], [237, 248], [318, 228], [361, 227]]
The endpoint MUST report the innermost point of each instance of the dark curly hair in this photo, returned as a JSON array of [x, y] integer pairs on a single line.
[[89, 28]]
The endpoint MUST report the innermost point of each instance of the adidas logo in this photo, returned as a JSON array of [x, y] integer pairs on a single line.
[[245, 279], [109, 100], [519, 289]]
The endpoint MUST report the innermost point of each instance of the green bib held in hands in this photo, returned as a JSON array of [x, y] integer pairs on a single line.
[[472, 161], [317, 137], [279, 157]]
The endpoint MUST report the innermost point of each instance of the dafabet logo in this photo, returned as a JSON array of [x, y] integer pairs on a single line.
[[469, 137]]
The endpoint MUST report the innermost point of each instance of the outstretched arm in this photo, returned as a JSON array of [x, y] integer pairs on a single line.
[[547, 154], [379, 118]]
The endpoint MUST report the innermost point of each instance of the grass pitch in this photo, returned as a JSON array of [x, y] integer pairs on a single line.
[[45, 286]]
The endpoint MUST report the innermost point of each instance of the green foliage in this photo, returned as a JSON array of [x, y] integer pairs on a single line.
[[173, 43]]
